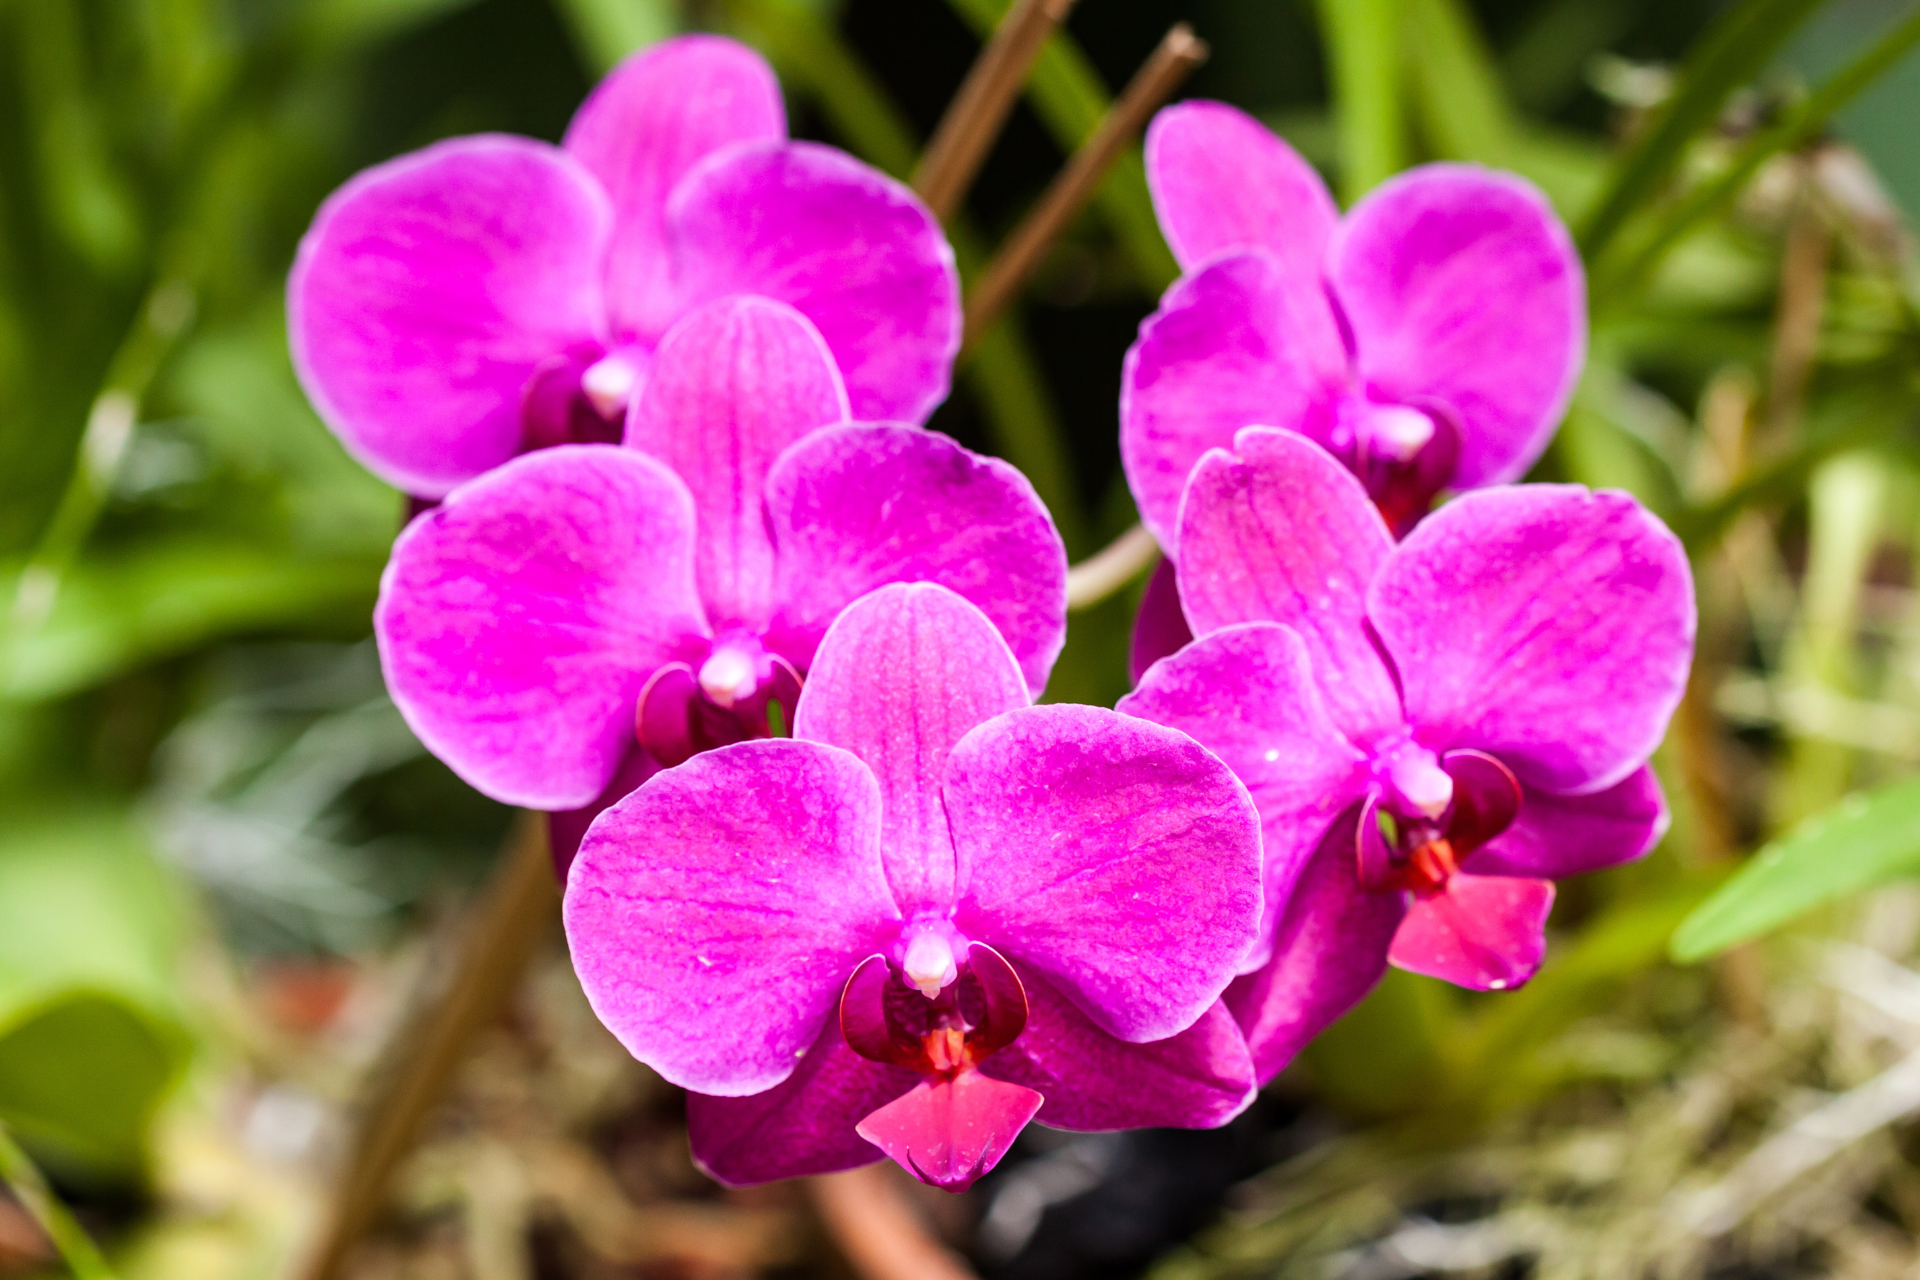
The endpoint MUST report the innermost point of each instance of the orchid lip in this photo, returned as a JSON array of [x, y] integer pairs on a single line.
[[1420, 852]]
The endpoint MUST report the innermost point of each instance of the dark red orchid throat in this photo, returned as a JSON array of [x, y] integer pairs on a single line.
[[578, 398], [957, 1122], [1404, 455], [1403, 847], [739, 691]]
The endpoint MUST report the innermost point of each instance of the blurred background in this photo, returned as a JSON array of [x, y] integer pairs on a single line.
[[227, 869]]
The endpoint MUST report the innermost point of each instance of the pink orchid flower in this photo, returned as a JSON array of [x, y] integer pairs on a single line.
[[1433, 731], [935, 913], [458, 306], [1430, 339], [564, 623]]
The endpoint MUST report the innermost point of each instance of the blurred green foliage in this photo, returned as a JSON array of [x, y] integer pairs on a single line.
[[187, 558]]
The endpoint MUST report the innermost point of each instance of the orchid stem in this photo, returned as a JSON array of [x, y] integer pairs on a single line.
[[877, 1230], [1110, 568], [22, 1178], [514, 913], [979, 110], [1179, 53]]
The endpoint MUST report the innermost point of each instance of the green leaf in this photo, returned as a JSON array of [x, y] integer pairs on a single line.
[[609, 30], [109, 616], [1864, 841], [1731, 53], [1800, 124], [1463, 107], [1363, 52], [91, 1035]]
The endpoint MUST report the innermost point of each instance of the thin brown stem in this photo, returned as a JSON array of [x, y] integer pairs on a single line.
[[978, 112], [877, 1230], [1796, 334], [501, 932], [1110, 568], [1176, 58]]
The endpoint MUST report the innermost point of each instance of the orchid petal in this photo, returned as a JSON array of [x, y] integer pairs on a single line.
[[1160, 626], [948, 1132], [1545, 624], [1558, 836], [1329, 950], [1241, 342], [566, 828], [429, 290], [1117, 859], [1279, 531], [1463, 289], [851, 249], [715, 913], [1198, 1079], [1221, 180], [1247, 694], [802, 1126], [902, 675], [643, 128], [859, 507], [732, 386], [518, 620], [1484, 933]]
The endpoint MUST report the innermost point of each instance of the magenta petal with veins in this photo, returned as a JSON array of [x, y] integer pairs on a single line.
[[672, 591], [926, 839], [1431, 338], [1430, 729], [457, 306]]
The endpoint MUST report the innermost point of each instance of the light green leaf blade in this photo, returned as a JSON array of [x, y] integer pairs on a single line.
[[608, 30], [1462, 105], [1363, 55], [112, 615], [1865, 841], [91, 1035], [1734, 50]]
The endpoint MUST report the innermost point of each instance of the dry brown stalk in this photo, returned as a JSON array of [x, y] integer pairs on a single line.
[[1796, 335], [978, 112], [514, 912], [1176, 58], [878, 1230]]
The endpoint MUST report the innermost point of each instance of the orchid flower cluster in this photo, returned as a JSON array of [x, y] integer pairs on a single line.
[[691, 576]]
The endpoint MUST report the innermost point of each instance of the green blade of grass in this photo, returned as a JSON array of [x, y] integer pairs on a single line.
[[1363, 51], [1865, 841], [1800, 125], [1463, 108], [1731, 53]]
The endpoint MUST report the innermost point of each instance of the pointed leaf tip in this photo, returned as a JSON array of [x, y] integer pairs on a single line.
[[1861, 843]]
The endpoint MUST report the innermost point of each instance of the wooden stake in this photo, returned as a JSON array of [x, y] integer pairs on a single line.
[[978, 112], [1176, 58], [517, 909], [877, 1230]]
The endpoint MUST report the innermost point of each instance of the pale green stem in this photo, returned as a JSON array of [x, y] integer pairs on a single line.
[[23, 1178]]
